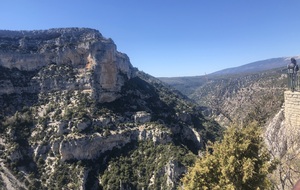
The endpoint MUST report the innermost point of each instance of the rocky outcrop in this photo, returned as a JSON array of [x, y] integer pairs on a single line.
[[67, 58], [9, 180], [174, 170], [275, 135], [92, 146], [142, 117]]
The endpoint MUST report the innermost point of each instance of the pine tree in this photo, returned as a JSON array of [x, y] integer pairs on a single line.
[[239, 162]]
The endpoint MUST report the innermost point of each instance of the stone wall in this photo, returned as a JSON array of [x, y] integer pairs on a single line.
[[292, 116], [292, 108]]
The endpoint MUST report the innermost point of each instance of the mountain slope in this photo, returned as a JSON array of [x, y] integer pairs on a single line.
[[257, 66], [75, 114], [242, 97], [236, 97], [187, 85]]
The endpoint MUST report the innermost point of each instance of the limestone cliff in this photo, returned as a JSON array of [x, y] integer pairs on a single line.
[[75, 114], [62, 59]]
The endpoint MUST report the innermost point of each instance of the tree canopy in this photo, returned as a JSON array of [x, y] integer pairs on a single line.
[[239, 162]]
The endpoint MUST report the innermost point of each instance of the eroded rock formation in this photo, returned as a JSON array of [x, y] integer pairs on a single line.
[[57, 59]]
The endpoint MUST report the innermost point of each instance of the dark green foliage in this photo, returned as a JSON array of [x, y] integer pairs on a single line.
[[20, 125], [65, 176], [212, 131], [139, 94], [18, 78], [137, 167], [18, 131], [12, 102]]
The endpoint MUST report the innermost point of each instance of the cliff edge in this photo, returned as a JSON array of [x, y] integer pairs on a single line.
[[65, 58]]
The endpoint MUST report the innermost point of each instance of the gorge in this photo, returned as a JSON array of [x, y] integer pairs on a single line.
[[73, 108]]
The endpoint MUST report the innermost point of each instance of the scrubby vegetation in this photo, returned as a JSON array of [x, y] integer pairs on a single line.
[[240, 161], [176, 132], [233, 98], [148, 166]]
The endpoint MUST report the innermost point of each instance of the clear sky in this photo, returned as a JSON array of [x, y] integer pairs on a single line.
[[173, 37]]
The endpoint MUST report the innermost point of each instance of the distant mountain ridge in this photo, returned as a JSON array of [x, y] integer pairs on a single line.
[[246, 85], [187, 85], [257, 66]]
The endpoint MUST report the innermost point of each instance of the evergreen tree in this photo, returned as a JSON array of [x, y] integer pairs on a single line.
[[239, 162]]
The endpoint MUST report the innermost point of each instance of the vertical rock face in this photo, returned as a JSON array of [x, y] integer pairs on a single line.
[[67, 58], [275, 135]]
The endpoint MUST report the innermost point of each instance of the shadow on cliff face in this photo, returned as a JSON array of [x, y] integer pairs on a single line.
[[99, 165], [140, 95], [16, 91]]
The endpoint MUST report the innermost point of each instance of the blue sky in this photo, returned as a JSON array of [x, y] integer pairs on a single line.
[[173, 37]]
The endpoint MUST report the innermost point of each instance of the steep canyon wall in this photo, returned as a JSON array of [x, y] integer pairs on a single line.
[[66, 58]]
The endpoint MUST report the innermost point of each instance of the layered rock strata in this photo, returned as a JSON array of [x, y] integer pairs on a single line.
[[67, 58]]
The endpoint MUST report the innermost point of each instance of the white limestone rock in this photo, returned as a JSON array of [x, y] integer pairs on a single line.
[[142, 117], [64, 59]]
